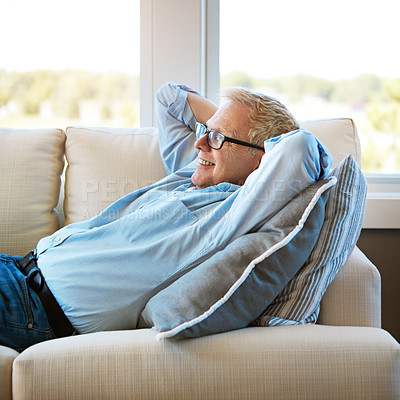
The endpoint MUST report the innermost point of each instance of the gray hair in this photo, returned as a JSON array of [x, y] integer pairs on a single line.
[[268, 117]]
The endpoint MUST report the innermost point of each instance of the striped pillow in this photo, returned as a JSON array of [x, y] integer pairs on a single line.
[[299, 302]]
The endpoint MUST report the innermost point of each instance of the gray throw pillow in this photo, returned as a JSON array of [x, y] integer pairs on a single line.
[[233, 287]]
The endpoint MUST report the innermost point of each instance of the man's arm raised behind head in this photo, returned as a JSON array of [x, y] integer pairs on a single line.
[[176, 120], [202, 108]]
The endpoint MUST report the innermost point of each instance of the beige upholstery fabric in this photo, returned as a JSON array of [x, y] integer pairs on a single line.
[[339, 135], [104, 164], [354, 296], [253, 363], [31, 162], [7, 357]]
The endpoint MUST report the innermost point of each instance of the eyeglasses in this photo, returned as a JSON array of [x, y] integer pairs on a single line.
[[216, 140]]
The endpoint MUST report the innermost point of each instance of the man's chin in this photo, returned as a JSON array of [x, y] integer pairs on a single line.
[[200, 183]]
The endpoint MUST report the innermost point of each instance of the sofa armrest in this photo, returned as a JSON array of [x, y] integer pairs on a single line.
[[306, 361], [354, 296], [7, 357]]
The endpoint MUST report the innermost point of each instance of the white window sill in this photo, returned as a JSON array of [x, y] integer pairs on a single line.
[[383, 202]]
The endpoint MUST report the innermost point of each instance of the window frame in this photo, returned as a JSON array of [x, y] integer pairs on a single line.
[[179, 42], [382, 210]]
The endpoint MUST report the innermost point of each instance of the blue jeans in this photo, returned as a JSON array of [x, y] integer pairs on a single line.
[[23, 320]]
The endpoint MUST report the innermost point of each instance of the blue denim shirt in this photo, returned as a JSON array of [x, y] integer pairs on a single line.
[[103, 271]]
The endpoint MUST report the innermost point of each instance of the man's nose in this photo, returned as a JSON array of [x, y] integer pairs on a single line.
[[201, 143]]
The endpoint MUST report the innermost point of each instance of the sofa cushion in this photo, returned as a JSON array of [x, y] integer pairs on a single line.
[[299, 302], [31, 162], [300, 362], [104, 164], [233, 287], [339, 135]]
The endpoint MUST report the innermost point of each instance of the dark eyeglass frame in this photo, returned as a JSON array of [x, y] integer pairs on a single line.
[[202, 130]]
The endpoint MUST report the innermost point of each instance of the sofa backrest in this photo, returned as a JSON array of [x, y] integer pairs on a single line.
[[339, 135], [103, 165]]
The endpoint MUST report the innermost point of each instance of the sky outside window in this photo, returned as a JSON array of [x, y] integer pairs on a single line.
[[77, 61], [334, 40], [97, 36], [322, 59]]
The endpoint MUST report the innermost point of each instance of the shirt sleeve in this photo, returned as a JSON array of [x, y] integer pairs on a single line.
[[176, 125], [291, 163]]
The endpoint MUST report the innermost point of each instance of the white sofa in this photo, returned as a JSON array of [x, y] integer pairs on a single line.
[[346, 355]]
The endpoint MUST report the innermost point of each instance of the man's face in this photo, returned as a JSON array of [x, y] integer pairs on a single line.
[[232, 163]]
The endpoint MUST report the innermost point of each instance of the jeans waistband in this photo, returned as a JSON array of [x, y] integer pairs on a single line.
[[57, 319]]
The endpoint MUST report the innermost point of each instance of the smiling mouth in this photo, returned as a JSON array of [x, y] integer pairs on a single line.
[[204, 162]]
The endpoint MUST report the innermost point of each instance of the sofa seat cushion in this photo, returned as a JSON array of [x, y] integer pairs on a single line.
[[298, 362], [31, 163], [104, 164]]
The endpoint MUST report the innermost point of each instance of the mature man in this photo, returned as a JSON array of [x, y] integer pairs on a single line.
[[248, 161]]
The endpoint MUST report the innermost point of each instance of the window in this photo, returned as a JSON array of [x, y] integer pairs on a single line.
[[321, 61], [69, 62], [260, 41]]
